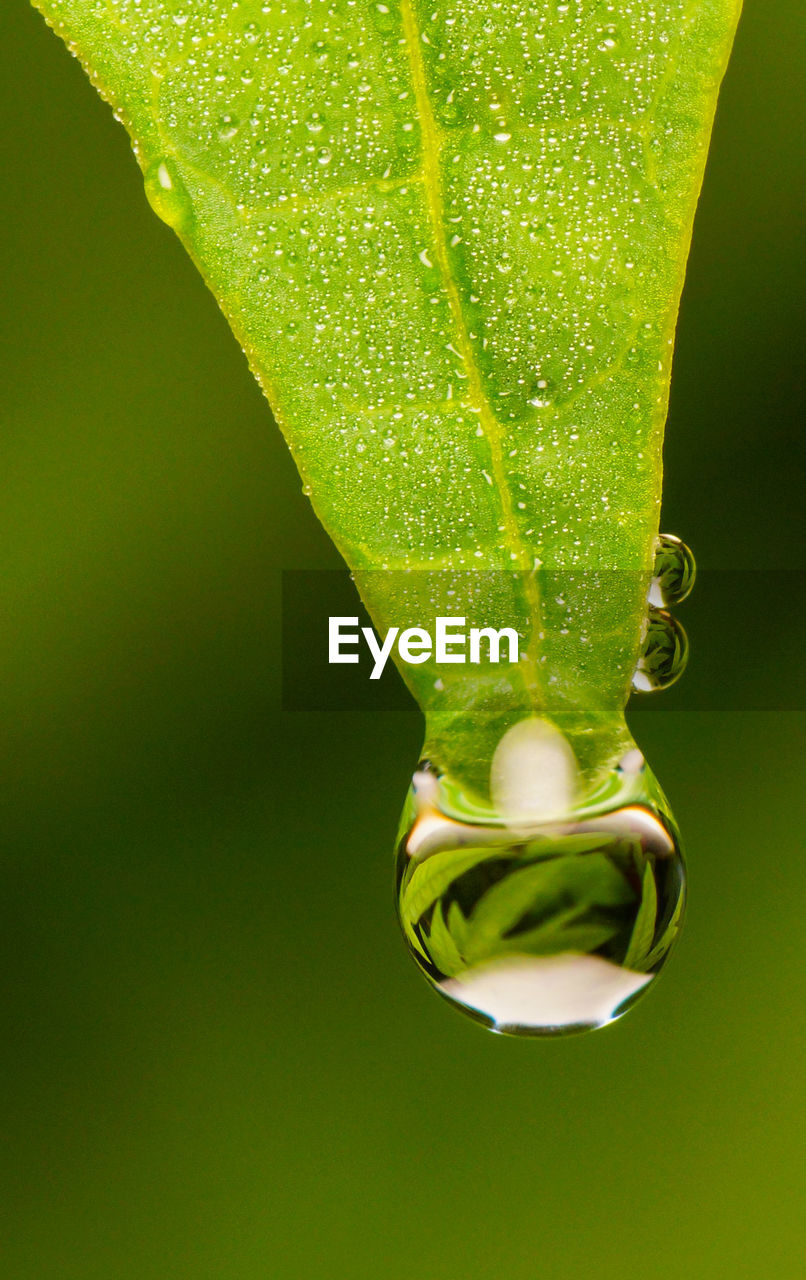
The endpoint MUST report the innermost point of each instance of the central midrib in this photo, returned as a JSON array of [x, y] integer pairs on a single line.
[[491, 426]]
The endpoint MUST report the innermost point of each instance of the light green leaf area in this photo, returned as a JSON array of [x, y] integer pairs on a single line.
[[451, 238]]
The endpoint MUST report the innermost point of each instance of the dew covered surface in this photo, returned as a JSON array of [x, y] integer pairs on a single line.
[[451, 239]]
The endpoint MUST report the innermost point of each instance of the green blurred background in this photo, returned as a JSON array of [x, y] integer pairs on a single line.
[[218, 1061]]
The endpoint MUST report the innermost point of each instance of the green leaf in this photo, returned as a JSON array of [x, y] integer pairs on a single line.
[[451, 239], [433, 875], [458, 926], [568, 846], [442, 946], [412, 937], [558, 935], [549, 889], [644, 928], [667, 938]]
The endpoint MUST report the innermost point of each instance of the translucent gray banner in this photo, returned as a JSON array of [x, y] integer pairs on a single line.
[[745, 628]]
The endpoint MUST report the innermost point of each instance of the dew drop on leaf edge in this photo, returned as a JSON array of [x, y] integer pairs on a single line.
[[664, 655], [673, 574], [167, 193]]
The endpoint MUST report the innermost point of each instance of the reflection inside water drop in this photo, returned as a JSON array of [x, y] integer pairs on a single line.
[[540, 916], [673, 573], [664, 655]]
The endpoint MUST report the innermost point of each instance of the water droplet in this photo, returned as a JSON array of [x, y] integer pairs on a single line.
[[609, 40], [665, 653], [549, 904], [228, 126], [451, 111], [673, 574], [167, 193]]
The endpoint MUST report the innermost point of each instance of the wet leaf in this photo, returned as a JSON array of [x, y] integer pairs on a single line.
[[451, 239]]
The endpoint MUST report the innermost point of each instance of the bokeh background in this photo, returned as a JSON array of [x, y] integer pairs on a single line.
[[218, 1062]]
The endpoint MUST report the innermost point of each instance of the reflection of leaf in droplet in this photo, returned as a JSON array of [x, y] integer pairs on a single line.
[[433, 875], [458, 926], [566, 846], [442, 946], [411, 934], [562, 933], [667, 938], [644, 928], [575, 884], [627, 853], [429, 281]]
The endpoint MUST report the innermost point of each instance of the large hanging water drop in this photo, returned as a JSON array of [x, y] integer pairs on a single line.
[[548, 907]]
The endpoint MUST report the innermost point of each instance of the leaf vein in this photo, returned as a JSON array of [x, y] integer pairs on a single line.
[[491, 426]]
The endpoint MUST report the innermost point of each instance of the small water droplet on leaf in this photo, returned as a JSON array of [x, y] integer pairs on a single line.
[[167, 194], [665, 653], [673, 574]]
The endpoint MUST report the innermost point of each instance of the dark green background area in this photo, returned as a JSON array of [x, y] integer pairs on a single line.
[[218, 1062]]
